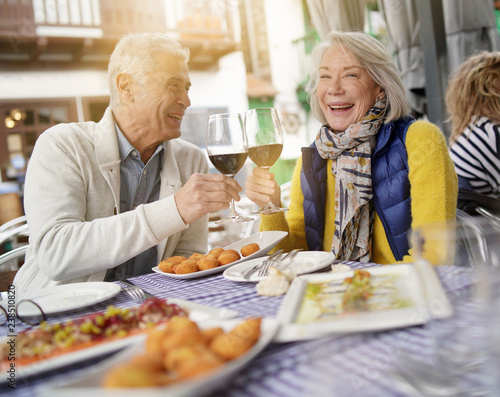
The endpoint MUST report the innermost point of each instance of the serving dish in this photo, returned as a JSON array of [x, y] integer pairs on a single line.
[[90, 381], [204, 315], [310, 307], [265, 240]]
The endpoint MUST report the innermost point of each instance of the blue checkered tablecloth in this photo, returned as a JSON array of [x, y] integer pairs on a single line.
[[345, 365]]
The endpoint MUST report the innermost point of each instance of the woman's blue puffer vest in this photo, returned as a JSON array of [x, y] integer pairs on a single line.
[[391, 188]]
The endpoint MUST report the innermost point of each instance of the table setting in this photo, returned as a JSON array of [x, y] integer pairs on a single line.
[[367, 353]]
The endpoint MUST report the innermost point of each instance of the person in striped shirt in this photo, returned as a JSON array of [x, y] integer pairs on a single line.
[[473, 102]]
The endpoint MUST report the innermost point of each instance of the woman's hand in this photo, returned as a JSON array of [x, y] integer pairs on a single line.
[[261, 187]]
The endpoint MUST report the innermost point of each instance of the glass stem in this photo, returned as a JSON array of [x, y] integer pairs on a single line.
[[232, 206]]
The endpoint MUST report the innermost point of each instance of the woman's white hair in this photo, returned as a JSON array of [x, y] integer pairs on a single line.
[[135, 55], [374, 59]]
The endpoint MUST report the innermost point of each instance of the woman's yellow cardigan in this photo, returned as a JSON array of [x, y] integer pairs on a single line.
[[434, 190]]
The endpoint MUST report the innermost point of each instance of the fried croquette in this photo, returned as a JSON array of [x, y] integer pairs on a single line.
[[184, 338], [155, 338], [187, 266], [249, 329], [231, 251], [206, 362], [181, 324], [196, 256], [237, 341], [208, 263], [151, 360], [178, 356], [166, 266], [176, 259], [211, 333], [229, 346], [249, 249], [216, 252], [228, 257], [132, 375]]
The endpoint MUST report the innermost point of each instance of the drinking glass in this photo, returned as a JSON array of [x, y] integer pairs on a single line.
[[466, 254], [265, 143], [227, 150]]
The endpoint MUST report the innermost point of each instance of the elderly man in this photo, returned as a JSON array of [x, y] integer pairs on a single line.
[[109, 200]]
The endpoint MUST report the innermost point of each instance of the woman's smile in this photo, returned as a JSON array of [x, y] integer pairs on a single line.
[[345, 90]]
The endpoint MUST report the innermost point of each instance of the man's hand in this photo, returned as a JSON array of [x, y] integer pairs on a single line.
[[261, 187], [204, 193]]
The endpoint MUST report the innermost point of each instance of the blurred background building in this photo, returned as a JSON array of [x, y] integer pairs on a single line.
[[244, 54]]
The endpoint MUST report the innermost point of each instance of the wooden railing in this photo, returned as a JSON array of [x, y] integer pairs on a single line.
[[195, 19], [189, 18], [109, 16], [40, 26]]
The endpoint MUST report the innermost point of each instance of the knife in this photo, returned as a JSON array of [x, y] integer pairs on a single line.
[[147, 294]]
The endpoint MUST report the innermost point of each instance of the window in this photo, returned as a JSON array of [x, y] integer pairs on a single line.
[[94, 107], [21, 125]]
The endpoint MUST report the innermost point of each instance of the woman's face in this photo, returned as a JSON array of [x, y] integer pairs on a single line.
[[345, 90]]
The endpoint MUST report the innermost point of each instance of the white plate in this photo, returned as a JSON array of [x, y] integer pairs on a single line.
[[266, 241], [68, 297], [408, 286], [304, 262], [205, 316], [90, 381]]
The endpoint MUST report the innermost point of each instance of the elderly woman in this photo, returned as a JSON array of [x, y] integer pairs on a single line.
[[373, 173], [473, 102]]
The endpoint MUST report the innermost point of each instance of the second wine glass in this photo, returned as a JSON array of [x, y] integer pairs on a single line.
[[265, 143], [227, 150]]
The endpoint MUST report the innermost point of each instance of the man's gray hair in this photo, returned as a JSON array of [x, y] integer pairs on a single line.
[[374, 59], [135, 55]]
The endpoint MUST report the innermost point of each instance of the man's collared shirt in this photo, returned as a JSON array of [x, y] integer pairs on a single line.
[[139, 184]]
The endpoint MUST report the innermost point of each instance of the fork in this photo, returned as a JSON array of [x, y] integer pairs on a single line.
[[135, 292], [252, 270], [264, 270]]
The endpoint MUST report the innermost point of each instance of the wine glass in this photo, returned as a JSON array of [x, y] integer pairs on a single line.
[[227, 150], [265, 143], [465, 253]]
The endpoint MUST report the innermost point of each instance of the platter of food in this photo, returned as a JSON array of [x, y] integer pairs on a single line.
[[373, 299], [303, 263], [167, 363], [219, 259], [57, 344]]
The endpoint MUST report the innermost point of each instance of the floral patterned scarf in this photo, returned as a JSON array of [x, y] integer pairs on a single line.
[[351, 152]]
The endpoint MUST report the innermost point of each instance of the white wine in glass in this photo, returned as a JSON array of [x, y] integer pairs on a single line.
[[265, 143], [227, 150]]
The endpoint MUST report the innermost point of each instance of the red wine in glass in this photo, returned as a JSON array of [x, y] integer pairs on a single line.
[[227, 150]]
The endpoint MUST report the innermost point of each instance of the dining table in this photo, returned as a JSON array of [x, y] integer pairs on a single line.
[[349, 364]]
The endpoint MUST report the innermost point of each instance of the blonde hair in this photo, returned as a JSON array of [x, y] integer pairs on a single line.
[[374, 59], [473, 91], [135, 55]]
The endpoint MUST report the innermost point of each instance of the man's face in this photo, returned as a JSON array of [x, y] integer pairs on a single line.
[[160, 103]]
